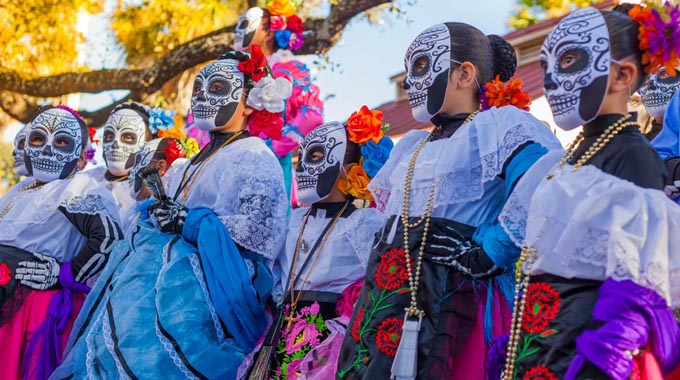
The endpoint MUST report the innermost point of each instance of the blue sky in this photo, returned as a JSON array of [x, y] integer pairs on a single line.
[[367, 54]]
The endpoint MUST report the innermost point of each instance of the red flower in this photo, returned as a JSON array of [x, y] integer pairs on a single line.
[[5, 274], [391, 272], [356, 326], [266, 123], [295, 24], [389, 334], [92, 132], [173, 151], [542, 305], [500, 94], [540, 372], [255, 66]]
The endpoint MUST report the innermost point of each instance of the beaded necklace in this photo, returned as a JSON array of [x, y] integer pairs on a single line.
[[528, 254]]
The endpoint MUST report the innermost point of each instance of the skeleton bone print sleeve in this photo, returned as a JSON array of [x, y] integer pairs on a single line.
[[99, 228]]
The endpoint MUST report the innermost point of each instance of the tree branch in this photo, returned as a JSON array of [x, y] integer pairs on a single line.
[[15, 90]]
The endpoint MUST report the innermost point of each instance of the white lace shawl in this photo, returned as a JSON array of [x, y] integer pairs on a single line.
[[121, 191], [464, 167], [344, 256], [592, 225], [243, 184], [35, 224]]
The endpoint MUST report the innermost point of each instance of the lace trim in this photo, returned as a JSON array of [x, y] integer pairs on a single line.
[[195, 266], [108, 341], [89, 341], [91, 204], [176, 360], [513, 218]]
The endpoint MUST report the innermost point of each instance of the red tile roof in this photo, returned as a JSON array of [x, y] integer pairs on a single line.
[[532, 78], [398, 116]]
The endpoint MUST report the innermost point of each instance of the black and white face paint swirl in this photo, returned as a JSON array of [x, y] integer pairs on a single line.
[[18, 153], [658, 91], [143, 158], [427, 63], [246, 27], [124, 135], [53, 145], [320, 160], [217, 92], [576, 59]]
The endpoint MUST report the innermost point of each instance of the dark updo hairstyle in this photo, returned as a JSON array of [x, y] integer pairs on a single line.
[[141, 109], [491, 55], [623, 38]]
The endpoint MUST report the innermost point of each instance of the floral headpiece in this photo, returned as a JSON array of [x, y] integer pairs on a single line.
[[499, 94], [659, 35], [161, 120], [366, 128], [288, 27], [89, 155], [180, 148], [268, 96]]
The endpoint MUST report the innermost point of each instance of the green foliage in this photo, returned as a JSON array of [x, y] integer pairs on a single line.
[[531, 12], [7, 176]]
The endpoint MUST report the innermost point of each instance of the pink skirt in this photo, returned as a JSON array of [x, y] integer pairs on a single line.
[[16, 333]]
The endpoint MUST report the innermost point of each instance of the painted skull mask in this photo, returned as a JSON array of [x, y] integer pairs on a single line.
[[144, 157], [53, 145], [321, 155], [427, 63], [217, 92], [18, 153], [124, 135], [575, 60], [658, 91], [246, 27]]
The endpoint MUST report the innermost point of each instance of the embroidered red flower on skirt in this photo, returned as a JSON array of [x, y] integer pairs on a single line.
[[542, 305], [391, 272], [356, 326], [389, 334], [540, 372], [5, 274]]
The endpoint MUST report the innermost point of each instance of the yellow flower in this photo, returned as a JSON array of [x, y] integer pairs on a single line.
[[191, 146], [355, 183], [284, 8], [173, 133]]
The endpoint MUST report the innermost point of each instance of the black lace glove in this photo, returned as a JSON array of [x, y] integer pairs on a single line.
[[170, 216]]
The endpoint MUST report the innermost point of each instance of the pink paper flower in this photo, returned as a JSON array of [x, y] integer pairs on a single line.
[[277, 23]]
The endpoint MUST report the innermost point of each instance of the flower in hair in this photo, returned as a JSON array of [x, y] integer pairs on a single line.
[[191, 146], [364, 125], [270, 94], [160, 119], [295, 42], [500, 94], [173, 151], [376, 154], [172, 133], [71, 111], [255, 66], [282, 38], [659, 35], [277, 23], [265, 124], [284, 8], [356, 182], [295, 24], [92, 131]]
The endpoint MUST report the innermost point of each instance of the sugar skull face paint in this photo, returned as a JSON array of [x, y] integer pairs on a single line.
[[427, 63], [320, 160], [246, 27], [53, 145], [18, 153], [217, 92], [575, 59], [124, 135], [658, 91]]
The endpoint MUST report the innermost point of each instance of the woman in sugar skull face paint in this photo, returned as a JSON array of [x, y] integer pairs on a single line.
[[218, 232], [323, 260], [304, 109], [57, 232], [125, 132], [600, 239], [18, 153], [443, 255], [655, 95]]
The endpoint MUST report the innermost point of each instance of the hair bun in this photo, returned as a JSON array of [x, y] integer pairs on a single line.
[[235, 55], [504, 57], [140, 108]]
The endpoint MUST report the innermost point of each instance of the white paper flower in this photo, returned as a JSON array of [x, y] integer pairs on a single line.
[[270, 94], [279, 56]]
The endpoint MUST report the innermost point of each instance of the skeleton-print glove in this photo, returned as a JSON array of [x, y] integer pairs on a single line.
[[170, 216], [40, 274]]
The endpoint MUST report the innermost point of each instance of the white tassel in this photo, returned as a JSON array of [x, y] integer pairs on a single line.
[[405, 365]]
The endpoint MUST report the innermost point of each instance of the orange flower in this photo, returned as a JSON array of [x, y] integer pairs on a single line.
[[365, 125], [499, 94], [284, 8], [355, 183], [659, 35], [173, 133]]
